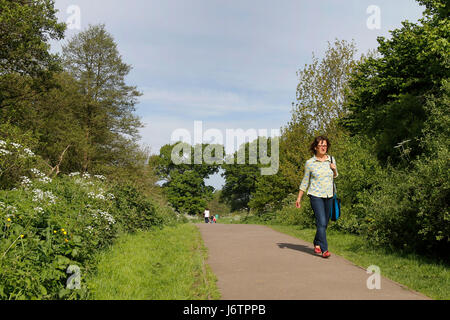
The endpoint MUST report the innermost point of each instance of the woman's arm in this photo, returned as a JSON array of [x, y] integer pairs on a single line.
[[334, 168], [303, 186], [299, 199]]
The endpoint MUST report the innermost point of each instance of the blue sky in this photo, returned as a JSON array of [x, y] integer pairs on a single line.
[[230, 64]]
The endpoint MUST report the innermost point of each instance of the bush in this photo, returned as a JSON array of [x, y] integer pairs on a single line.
[[48, 225], [16, 156], [409, 209]]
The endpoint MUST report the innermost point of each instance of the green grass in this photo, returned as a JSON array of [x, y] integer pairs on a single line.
[[167, 264], [418, 273]]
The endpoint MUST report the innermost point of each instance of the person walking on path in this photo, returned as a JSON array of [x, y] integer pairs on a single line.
[[206, 215], [320, 171]]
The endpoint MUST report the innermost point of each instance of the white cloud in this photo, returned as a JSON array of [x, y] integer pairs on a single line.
[[200, 102]]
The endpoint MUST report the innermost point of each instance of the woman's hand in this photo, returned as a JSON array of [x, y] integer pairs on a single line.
[[298, 203], [333, 167]]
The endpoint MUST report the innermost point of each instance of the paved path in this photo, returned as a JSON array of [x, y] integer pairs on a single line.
[[254, 262]]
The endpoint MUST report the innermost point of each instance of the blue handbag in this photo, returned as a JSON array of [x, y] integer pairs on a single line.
[[336, 203]]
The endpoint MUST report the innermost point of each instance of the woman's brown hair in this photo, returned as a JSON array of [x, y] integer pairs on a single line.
[[316, 142]]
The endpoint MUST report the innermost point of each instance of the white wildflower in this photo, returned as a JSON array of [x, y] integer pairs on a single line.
[[16, 145], [100, 197], [73, 174], [45, 180], [39, 210], [107, 217], [11, 209], [4, 152], [29, 152], [39, 195], [26, 182], [103, 178], [38, 173], [2, 143]]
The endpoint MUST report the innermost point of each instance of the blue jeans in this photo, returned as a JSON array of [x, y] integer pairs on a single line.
[[321, 208]]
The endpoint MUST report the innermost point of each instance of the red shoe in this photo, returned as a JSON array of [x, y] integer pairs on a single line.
[[326, 254], [317, 250]]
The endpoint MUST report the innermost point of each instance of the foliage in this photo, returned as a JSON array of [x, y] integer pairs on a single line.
[[16, 156], [25, 29], [243, 170], [48, 224], [184, 169], [217, 206], [110, 129], [321, 88], [388, 93], [409, 209]]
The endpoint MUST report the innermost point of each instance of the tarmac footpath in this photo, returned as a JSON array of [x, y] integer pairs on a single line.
[[254, 262]]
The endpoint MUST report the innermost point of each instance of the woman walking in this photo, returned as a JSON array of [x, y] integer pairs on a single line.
[[318, 181]]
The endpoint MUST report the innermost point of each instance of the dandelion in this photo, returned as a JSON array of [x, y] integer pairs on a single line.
[[62, 230], [66, 240], [9, 219], [22, 236], [54, 231], [65, 232]]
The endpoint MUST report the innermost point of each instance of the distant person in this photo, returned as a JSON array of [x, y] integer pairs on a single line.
[[217, 217], [318, 181], [206, 215], [214, 219]]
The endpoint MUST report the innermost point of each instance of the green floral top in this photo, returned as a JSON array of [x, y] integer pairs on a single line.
[[318, 179]]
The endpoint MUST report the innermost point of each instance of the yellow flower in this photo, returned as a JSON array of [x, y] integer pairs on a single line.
[[62, 229], [65, 232], [54, 231], [9, 219], [21, 235], [66, 240]]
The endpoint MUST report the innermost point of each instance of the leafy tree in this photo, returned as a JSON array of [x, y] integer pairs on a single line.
[[388, 93], [242, 170], [321, 88], [320, 103], [187, 192], [184, 178], [25, 29], [106, 116]]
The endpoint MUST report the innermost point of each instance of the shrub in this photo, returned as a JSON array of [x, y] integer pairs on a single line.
[[48, 225]]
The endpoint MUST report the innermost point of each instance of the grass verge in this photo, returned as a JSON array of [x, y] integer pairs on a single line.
[[418, 273], [167, 264]]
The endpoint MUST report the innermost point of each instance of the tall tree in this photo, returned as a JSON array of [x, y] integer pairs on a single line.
[[321, 88], [26, 26], [243, 170], [388, 93], [107, 118], [183, 168]]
